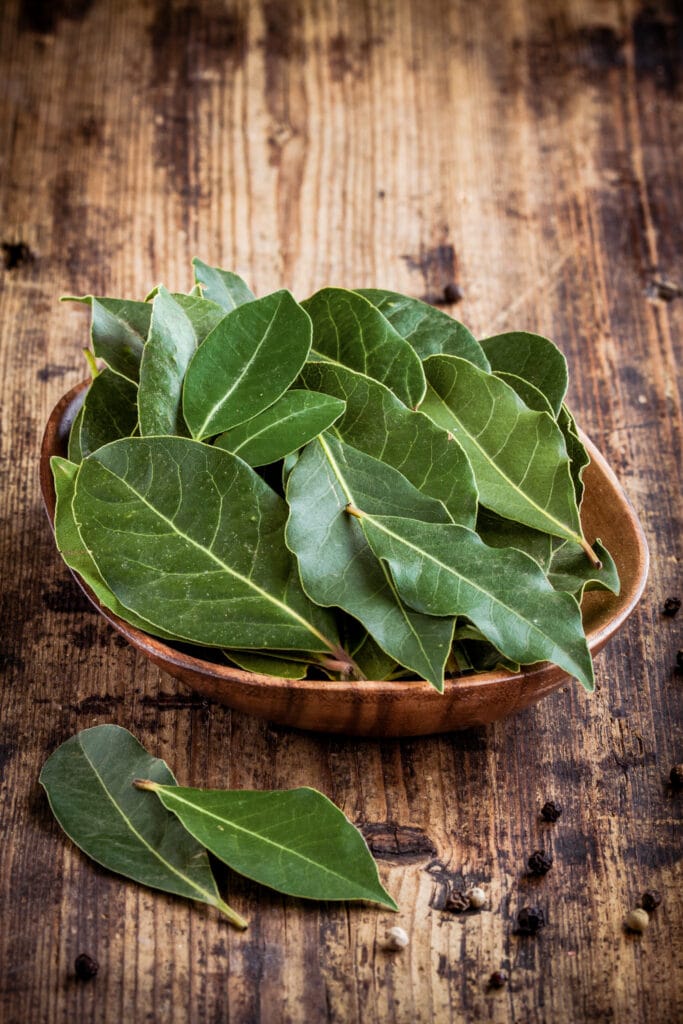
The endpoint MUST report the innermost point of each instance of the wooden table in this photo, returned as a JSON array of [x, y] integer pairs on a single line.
[[528, 152]]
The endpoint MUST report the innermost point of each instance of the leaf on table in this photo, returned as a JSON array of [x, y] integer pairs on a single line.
[[578, 456], [245, 364], [294, 840], [284, 427], [191, 539], [337, 566], [448, 570], [348, 329], [430, 331], [532, 357], [223, 287], [571, 572], [110, 411], [377, 423], [89, 784], [519, 458], [119, 330]]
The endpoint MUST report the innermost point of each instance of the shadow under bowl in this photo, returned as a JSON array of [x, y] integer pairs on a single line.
[[407, 708]]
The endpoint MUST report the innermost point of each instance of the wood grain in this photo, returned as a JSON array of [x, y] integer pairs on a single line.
[[529, 153]]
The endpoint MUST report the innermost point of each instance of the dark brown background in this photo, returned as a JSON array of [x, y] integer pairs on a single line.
[[530, 152]]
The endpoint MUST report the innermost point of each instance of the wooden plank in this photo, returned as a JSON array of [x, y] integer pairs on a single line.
[[528, 153]]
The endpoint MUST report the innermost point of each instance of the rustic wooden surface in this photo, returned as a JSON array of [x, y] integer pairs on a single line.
[[529, 152]]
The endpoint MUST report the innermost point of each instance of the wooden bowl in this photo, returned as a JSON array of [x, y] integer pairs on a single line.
[[411, 708]]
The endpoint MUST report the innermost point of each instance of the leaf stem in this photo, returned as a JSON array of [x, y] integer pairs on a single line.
[[591, 554], [353, 511]]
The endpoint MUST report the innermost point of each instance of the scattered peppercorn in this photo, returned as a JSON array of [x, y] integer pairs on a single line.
[[540, 862], [452, 292], [676, 776], [498, 979], [476, 896], [550, 811], [671, 606], [457, 902], [530, 920], [637, 920], [650, 900], [85, 967], [397, 938]]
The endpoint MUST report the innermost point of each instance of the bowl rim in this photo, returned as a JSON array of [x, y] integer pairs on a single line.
[[54, 440]]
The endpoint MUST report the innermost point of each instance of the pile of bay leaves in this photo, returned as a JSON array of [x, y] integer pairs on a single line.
[[353, 486]]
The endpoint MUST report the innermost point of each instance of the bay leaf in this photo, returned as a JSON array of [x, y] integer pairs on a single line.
[[89, 784], [430, 331], [498, 532], [74, 451], [77, 556], [119, 330], [291, 422], [448, 570], [221, 286], [263, 663], [189, 538], [348, 329], [569, 571], [203, 314], [338, 567], [294, 840], [529, 393], [110, 411], [532, 357], [519, 458], [378, 423], [170, 346], [245, 364], [579, 458]]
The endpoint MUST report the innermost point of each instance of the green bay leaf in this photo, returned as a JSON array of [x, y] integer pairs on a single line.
[[576, 450], [245, 364], [171, 344], [448, 570], [348, 329], [571, 572], [338, 567], [75, 553], [192, 540], [430, 331], [534, 358], [295, 840], [223, 287], [119, 330], [110, 411], [378, 423], [284, 427], [519, 458], [89, 784]]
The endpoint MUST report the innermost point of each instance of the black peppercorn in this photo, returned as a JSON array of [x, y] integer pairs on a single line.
[[452, 293], [85, 967], [540, 862], [530, 920], [671, 606], [457, 902], [550, 811], [650, 900], [498, 979], [676, 776]]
